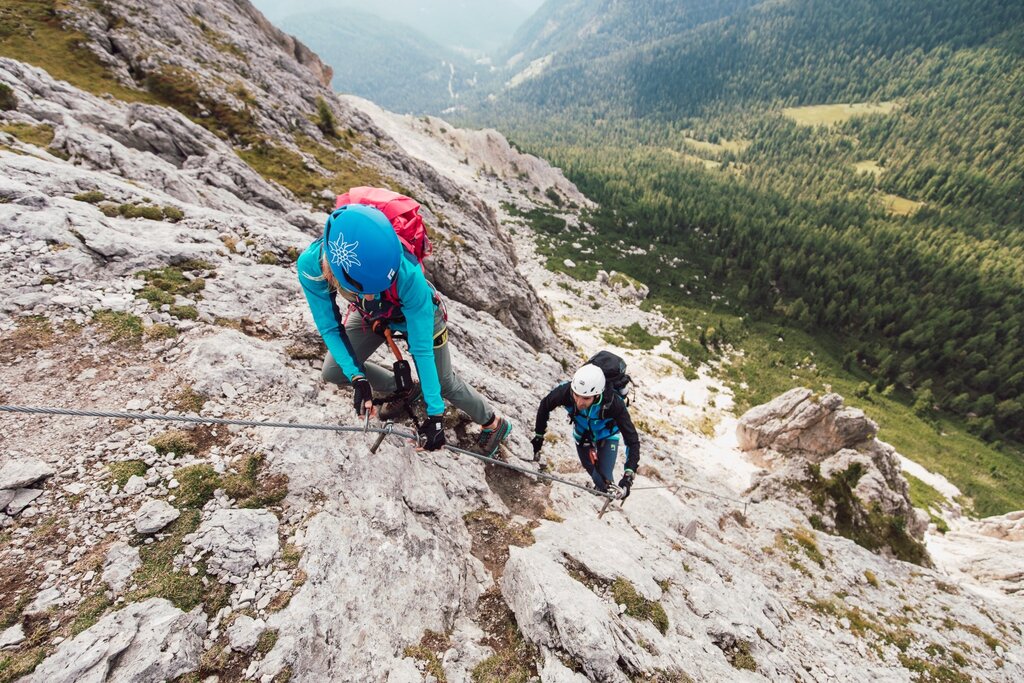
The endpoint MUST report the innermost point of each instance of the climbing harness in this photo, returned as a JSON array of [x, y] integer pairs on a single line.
[[612, 494]]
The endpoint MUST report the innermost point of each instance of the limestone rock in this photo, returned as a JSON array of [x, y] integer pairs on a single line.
[[244, 633], [135, 485], [22, 499], [12, 636], [23, 472], [237, 540], [45, 599], [795, 433], [121, 562], [154, 516], [147, 641], [795, 421]]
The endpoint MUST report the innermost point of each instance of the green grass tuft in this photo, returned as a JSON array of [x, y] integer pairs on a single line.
[[251, 491], [124, 470], [196, 484], [637, 606], [120, 326], [40, 135], [156, 577], [634, 336], [173, 441], [429, 650], [8, 100], [90, 197]]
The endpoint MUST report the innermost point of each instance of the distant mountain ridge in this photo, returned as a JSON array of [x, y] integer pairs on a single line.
[[463, 25], [387, 62]]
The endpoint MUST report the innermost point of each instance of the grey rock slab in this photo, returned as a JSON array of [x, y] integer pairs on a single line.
[[237, 540], [45, 599], [22, 472], [121, 562], [22, 499], [135, 485], [12, 636], [556, 611], [154, 516], [147, 641], [244, 633]]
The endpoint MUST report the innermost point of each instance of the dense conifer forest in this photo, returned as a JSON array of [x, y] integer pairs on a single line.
[[897, 226]]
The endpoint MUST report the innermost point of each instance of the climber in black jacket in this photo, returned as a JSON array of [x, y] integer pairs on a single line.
[[598, 415]]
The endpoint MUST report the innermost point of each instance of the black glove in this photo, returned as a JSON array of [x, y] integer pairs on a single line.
[[626, 483], [361, 394], [432, 431], [538, 443]]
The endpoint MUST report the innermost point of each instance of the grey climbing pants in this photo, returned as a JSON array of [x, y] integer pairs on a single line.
[[382, 380]]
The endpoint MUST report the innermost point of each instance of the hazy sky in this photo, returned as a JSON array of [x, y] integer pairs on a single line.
[[277, 9]]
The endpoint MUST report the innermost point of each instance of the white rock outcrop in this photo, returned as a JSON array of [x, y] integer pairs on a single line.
[[237, 540], [120, 563], [19, 473], [146, 641], [154, 516]]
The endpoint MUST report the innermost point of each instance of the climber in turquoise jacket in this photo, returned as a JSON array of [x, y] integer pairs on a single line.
[[361, 258]]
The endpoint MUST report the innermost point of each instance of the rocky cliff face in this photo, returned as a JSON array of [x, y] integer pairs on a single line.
[[146, 261]]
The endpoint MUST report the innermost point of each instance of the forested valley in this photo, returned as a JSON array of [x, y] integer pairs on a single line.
[[852, 169]]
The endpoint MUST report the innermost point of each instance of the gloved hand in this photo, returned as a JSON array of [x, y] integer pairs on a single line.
[[362, 394], [432, 431], [626, 483], [538, 442]]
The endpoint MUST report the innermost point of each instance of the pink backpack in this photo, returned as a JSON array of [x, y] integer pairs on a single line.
[[403, 212]]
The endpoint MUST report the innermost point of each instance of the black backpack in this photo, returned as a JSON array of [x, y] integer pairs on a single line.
[[614, 369]]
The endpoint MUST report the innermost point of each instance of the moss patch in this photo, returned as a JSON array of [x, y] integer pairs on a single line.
[[156, 577], [196, 484], [120, 326], [637, 606], [90, 197], [173, 441], [868, 528], [164, 283], [249, 489], [429, 651], [267, 641], [124, 470], [740, 657]]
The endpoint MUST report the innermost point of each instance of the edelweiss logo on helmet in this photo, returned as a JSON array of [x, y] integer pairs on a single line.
[[343, 253]]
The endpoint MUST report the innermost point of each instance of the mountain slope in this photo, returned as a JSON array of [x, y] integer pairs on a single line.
[[385, 61], [146, 264], [461, 25]]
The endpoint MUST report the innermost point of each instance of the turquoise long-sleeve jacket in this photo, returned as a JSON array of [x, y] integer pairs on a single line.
[[418, 305]]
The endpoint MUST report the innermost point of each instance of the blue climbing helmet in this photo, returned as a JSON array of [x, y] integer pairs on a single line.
[[362, 249]]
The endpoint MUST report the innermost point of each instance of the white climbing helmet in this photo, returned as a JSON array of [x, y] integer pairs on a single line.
[[588, 381]]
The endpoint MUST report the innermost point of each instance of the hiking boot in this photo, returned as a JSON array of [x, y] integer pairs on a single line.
[[490, 439], [394, 411]]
